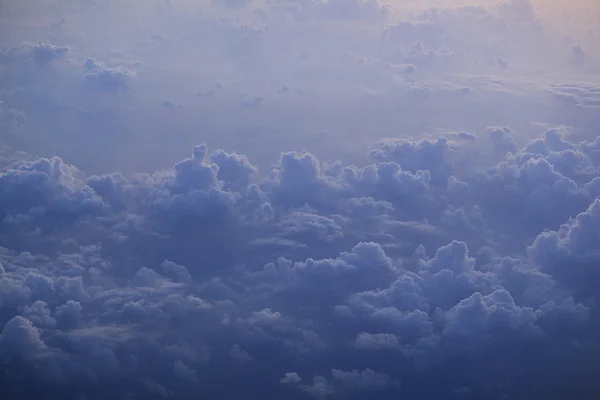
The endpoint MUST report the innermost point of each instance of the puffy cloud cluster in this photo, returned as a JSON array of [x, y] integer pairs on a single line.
[[327, 280]]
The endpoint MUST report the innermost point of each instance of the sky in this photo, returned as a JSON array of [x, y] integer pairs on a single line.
[[299, 199]]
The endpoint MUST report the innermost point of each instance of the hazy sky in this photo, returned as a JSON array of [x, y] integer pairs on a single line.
[[303, 74], [268, 199]]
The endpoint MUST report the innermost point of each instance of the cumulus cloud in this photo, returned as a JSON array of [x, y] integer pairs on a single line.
[[45, 53], [20, 338], [422, 298], [239, 355], [104, 78]]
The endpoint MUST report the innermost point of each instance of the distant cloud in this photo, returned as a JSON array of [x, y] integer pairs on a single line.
[[103, 78]]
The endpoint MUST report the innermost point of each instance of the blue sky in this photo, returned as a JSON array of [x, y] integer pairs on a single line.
[[343, 199]]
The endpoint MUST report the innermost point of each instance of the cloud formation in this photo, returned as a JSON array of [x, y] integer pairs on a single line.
[[307, 263], [313, 242]]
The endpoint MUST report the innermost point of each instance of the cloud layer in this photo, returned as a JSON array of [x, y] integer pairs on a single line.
[[412, 211], [334, 280]]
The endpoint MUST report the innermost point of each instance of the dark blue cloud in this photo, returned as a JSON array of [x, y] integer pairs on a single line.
[[327, 281]]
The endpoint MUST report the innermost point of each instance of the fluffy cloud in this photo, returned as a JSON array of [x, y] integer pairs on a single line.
[[570, 253], [89, 304], [45, 53], [103, 78]]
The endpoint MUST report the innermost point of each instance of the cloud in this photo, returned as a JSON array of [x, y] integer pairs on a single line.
[[291, 378], [361, 380], [424, 155], [420, 305], [378, 341], [45, 53], [102, 78], [239, 355], [569, 253], [20, 338], [319, 389], [182, 371], [171, 105], [46, 193], [439, 241], [579, 94]]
